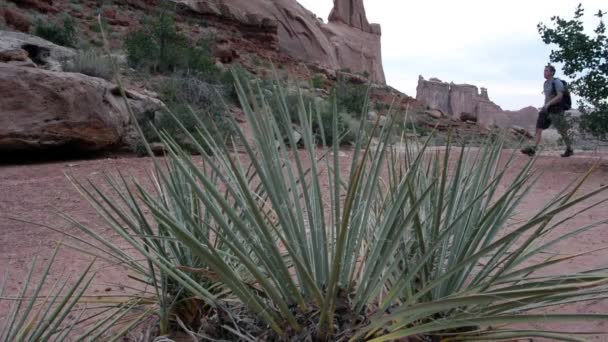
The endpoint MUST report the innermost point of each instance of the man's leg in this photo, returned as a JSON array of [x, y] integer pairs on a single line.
[[542, 123], [539, 136], [560, 121]]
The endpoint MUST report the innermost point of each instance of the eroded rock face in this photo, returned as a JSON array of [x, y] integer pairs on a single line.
[[44, 110], [464, 98], [351, 13], [434, 94], [42, 52], [346, 42]]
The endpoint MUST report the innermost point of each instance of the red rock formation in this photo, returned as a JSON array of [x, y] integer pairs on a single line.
[[465, 102], [16, 20], [42, 6], [42, 109], [455, 99], [344, 43], [434, 94], [351, 13]]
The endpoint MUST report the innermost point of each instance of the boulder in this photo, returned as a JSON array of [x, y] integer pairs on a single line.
[[520, 131], [18, 55], [42, 52], [44, 110], [434, 113]]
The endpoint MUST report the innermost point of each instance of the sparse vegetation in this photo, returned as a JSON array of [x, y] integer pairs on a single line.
[[159, 47], [350, 97], [64, 34], [321, 115], [194, 102], [95, 27], [92, 63], [318, 81]]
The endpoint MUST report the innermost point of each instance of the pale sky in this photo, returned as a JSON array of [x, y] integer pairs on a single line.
[[492, 44]]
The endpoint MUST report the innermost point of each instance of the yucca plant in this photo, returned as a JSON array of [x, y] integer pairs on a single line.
[[403, 242], [45, 311], [171, 278]]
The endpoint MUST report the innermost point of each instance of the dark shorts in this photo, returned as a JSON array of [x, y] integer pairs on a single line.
[[544, 120]]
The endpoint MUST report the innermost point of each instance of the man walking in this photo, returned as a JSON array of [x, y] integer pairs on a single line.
[[552, 112]]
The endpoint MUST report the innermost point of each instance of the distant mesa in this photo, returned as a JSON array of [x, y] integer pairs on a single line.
[[467, 102]]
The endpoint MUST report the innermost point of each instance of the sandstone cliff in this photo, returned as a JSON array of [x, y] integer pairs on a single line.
[[347, 41]]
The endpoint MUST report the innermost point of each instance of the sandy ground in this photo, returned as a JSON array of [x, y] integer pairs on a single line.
[[32, 192]]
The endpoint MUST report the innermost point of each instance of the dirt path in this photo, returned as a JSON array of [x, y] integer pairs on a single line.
[[32, 192]]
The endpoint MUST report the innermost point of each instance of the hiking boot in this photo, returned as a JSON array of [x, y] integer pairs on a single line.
[[567, 153], [529, 151]]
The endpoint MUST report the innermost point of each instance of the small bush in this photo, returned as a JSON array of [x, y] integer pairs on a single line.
[[322, 124], [62, 35], [350, 97], [96, 27], [318, 81], [326, 131], [90, 63], [188, 97], [159, 47]]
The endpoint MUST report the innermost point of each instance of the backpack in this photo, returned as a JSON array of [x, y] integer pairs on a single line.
[[566, 102]]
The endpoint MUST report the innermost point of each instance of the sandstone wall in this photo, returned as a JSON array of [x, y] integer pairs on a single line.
[[347, 41]]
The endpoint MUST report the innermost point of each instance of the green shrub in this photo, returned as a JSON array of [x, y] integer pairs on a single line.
[[323, 126], [318, 81], [90, 63], [350, 97], [194, 102], [320, 116], [62, 35], [159, 47]]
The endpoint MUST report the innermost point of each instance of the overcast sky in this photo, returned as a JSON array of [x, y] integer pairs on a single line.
[[492, 44]]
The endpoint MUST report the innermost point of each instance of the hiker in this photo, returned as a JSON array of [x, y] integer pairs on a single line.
[[553, 112]]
